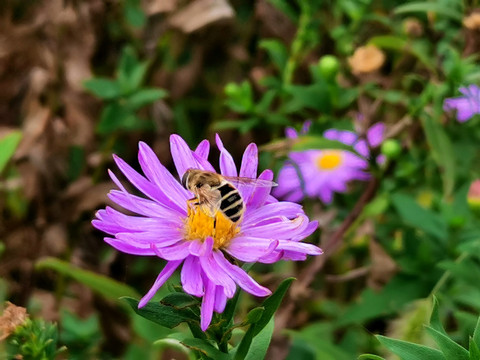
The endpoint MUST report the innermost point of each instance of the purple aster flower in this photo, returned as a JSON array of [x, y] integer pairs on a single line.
[[167, 227], [321, 173], [467, 105]]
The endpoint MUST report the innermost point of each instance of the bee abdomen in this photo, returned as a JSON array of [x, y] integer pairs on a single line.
[[232, 204]]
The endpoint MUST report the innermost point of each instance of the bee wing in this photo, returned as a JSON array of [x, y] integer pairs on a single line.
[[236, 180], [209, 200]]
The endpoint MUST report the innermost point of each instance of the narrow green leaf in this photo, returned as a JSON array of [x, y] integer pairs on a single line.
[[442, 152], [103, 88], [277, 52], [390, 42], [476, 333], [435, 322], [370, 357], [165, 315], [205, 348], [418, 217], [410, 351], [254, 315], [258, 348], [8, 145], [474, 351], [102, 285], [435, 7], [450, 348], [270, 305]]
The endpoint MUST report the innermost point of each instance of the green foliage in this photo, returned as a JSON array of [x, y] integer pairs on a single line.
[[34, 340], [125, 95], [103, 285], [447, 347], [8, 144]]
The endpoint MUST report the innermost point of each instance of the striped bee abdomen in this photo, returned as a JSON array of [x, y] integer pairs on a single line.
[[231, 204]]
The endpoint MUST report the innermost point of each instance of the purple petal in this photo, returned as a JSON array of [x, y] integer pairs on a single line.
[[250, 249], [346, 137], [299, 247], [260, 193], [191, 277], [227, 165], [248, 169], [278, 230], [178, 251], [160, 176], [306, 126], [286, 209], [167, 271], [220, 299], [291, 133], [216, 275], [143, 206], [208, 302], [203, 149], [168, 237], [182, 155], [375, 134], [141, 183], [129, 248], [240, 276]]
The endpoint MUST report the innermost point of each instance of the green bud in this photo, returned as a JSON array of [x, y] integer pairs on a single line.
[[391, 148], [328, 66], [231, 89]]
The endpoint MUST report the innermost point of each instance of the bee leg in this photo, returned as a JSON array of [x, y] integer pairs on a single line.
[[193, 202], [214, 226]]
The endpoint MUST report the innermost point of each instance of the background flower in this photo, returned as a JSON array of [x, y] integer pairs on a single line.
[[467, 105], [169, 229], [321, 173]]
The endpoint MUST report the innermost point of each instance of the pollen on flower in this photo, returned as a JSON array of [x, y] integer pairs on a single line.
[[329, 160], [199, 226]]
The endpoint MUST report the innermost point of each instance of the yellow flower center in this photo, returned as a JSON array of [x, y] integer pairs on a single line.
[[329, 160], [199, 226]]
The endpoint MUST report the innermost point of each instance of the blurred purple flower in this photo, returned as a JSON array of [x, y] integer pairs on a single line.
[[321, 173], [168, 228], [467, 105]]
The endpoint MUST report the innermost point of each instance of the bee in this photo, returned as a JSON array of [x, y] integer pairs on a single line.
[[215, 192]]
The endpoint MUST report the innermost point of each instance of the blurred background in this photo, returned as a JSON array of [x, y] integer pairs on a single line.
[[82, 79]]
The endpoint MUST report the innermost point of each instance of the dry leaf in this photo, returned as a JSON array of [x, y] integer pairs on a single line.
[[201, 13], [383, 267], [12, 317]]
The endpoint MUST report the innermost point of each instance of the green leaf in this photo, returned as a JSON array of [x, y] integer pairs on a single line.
[[103, 88], [134, 14], [254, 315], [410, 351], [474, 351], [109, 288], [435, 322], [8, 145], [205, 348], [418, 217], [258, 348], [270, 305], [315, 96], [144, 97], [450, 348], [319, 142], [370, 357], [277, 52], [390, 42], [476, 333], [442, 152], [435, 7], [166, 315]]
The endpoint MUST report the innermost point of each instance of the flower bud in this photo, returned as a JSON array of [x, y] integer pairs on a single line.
[[391, 148]]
